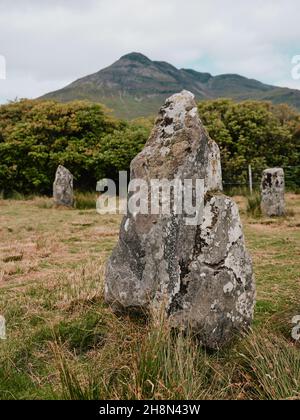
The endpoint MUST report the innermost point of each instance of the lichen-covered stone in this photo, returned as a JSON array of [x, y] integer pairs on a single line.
[[63, 187], [272, 192], [201, 275]]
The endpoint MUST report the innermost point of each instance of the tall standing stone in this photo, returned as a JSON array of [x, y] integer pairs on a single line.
[[272, 192], [200, 275], [63, 187]]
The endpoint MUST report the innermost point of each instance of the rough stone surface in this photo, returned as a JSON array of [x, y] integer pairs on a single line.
[[63, 187], [201, 275], [272, 192]]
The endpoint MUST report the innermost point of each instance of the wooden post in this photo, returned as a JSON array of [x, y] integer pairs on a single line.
[[250, 179]]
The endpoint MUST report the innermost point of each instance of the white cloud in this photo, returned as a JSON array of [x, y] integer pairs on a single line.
[[50, 43]]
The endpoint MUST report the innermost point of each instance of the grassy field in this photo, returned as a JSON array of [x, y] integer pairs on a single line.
[[64, 342]]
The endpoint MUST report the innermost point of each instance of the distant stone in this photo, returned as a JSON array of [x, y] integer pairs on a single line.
[[272, 192], [201, 275], [63, 187]]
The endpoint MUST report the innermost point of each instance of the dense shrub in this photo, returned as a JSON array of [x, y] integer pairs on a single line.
[[256, 133], [37, 136]]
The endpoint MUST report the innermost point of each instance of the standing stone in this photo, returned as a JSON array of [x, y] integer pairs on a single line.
[[63, 187], [201, 275], [272, 192]]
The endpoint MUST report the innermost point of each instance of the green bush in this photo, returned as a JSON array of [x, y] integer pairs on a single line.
[[37, 136], [256, 133]]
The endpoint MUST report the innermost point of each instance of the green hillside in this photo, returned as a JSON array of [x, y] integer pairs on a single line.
[[134, 86]]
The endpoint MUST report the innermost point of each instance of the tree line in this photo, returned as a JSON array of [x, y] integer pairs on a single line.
[[37, 136]]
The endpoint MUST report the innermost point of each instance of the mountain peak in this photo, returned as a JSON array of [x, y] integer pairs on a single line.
[[135, 86], [136, 56]]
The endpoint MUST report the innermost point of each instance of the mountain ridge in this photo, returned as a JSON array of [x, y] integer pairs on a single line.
[[135, 86]]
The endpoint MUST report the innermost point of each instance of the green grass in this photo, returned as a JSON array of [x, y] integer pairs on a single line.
[[254, 205], [273, 367], [85, 201], [63, 341]]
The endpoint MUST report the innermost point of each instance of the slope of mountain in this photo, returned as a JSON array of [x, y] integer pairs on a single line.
[[135, 86]]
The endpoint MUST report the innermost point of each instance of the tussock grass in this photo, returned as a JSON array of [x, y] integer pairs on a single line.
[[254, 205], [44, 202], [85, 200], [166, 365], [72, 387], [159, 365], [232, 191], [272, 365]]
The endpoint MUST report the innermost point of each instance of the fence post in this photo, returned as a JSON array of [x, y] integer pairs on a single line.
[[250, 179]]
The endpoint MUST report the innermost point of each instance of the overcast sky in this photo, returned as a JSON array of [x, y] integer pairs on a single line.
[[49, 43]]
